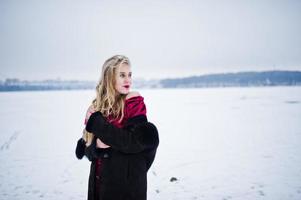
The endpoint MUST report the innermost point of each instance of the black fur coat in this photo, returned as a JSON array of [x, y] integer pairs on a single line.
[[126, 162]]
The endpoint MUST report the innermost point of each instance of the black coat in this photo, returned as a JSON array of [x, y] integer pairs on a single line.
[[125, 164]]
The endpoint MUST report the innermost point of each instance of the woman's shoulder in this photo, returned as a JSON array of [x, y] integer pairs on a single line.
[[134, 98], [89, 112], [132, 95], [134, 105]]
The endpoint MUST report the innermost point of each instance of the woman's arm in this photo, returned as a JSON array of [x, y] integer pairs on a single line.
[[86, 145], [134, 138], [88, 137]]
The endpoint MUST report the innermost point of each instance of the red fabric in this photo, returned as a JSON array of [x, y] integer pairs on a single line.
[[134, 106]]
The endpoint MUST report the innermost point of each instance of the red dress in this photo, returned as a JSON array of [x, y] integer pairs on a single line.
[[134, 106]]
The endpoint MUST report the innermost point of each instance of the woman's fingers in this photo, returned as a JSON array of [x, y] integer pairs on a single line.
[[100, 144]]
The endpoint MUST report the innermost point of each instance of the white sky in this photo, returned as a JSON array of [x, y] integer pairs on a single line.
[[71, 39]]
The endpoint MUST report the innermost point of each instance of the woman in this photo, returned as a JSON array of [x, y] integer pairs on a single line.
[[123, 143]]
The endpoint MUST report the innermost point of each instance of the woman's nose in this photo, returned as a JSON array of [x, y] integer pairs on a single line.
[[128, 79]]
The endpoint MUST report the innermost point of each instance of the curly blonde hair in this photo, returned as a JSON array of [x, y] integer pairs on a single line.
[[108, 101]]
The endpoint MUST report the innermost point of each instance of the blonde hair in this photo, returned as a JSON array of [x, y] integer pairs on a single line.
[[108, 101]]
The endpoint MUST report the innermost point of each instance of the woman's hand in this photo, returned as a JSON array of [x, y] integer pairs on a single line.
[[87, 137], [100, 144]]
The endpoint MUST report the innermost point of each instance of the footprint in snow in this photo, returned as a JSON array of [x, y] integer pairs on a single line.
[[7, 144], [261, 193]]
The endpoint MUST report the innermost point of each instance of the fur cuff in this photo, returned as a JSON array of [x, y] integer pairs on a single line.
[[148, 135], [80, 148]]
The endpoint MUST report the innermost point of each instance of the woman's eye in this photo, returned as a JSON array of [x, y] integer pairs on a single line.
[[122, 75]]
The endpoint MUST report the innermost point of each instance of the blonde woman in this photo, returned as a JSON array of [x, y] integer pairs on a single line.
[[118, 139]]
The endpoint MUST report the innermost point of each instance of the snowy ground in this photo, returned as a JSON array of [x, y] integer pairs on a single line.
[[226, 143]]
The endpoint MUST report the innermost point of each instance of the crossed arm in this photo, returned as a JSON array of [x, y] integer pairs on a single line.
[[137, 136]]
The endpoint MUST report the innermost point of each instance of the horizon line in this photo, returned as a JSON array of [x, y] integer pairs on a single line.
[[154, 79]]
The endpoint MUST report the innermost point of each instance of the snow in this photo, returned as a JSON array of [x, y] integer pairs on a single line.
[[218, 143]]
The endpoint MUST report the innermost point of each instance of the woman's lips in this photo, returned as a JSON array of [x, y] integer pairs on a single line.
[[126, 86]]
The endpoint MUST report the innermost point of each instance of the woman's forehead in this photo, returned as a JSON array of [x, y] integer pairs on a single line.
[[124, 68]]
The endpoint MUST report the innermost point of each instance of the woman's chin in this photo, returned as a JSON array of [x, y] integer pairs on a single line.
[[124, 92]]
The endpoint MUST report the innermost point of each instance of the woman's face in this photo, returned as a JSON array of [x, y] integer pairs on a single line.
[[123, 79]]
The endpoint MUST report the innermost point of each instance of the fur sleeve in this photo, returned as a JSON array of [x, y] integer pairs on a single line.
[[134, 138]]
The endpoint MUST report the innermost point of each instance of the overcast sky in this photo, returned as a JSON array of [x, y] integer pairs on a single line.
[[71, 39]]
